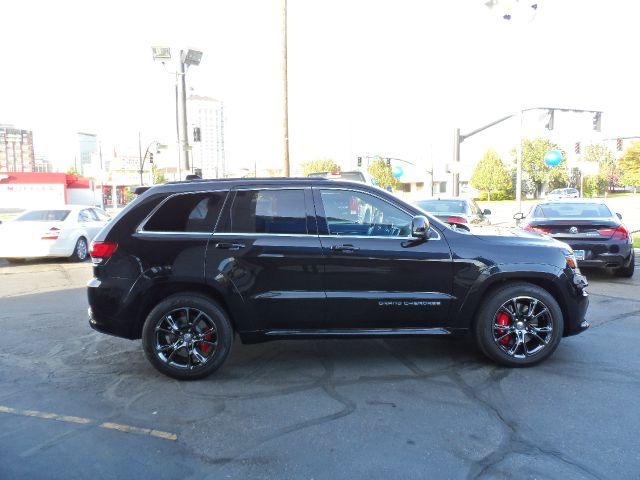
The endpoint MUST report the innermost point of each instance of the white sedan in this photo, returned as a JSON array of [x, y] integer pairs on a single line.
[[64, 231]]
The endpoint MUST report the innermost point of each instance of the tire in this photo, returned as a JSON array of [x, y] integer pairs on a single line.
[[626, 272], [80, 251], [528, 337], [16, 261], [175, 338]]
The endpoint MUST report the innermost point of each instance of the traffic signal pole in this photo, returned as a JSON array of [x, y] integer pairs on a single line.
[[459, 138]]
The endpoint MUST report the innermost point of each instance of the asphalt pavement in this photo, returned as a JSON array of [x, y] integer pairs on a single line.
[[78, 404]]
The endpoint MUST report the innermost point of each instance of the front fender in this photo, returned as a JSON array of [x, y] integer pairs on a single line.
[[548, 276]]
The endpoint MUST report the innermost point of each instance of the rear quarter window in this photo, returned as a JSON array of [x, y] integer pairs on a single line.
[[187, 212]]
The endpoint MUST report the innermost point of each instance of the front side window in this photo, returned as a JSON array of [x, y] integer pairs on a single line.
[[190, 212], [267, 211], [356, 213]]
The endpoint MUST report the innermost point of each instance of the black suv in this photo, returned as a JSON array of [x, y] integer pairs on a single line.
[[186, 265]]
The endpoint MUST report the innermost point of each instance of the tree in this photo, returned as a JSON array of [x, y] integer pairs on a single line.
[[73, 171], [539, 173], [319, 165], [629, 163], [382, 174], [490, 175], [609, 172], [158, 176]]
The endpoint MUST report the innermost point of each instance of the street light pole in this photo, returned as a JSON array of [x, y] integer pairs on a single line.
[[182, 115], [187, 58]]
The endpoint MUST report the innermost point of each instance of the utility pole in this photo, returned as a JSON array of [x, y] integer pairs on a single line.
[[286, 169], [456, 161]]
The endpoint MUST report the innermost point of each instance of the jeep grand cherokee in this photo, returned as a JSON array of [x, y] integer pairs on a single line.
[[187, 265]]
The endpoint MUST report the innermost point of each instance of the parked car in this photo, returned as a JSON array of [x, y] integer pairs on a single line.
[[559, 193], [187, 265], [352, 176], [64, 231], [596, 234], [455, 210]]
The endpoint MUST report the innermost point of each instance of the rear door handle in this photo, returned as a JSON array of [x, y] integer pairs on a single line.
[[344, 248], [229, 246]]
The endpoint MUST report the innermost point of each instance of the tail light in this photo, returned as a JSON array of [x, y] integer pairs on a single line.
[[456, 220], [619, 233], [101, 251], [540, 230], [52, 234]]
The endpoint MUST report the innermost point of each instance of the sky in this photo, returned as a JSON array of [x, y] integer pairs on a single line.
[[366, 77]]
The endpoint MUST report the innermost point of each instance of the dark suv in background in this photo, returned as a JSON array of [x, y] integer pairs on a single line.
[[187, 265]]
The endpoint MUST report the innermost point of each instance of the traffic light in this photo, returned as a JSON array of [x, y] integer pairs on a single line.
[[549, 125], [388, 162], [577, 148], [597, 121], [197, 136], [619, 144], [151, 157], [359, 161]]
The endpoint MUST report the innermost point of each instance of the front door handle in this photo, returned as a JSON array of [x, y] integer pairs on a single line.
[[229, 246], [344, 248]]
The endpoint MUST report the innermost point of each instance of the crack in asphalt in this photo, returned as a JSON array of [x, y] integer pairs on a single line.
[[514, 441]]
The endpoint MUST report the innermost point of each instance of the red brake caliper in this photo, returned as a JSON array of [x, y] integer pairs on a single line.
[[203, 346], [502, 319]]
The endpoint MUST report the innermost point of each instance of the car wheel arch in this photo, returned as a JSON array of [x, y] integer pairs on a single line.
[[496, 282], [154, 295]]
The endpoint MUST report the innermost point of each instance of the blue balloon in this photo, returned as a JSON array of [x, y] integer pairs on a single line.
[[397, 171], [552, 158]]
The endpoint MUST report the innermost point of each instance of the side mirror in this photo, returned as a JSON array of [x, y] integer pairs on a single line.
[[518, 216], [619, 216], [486, 211], [420, 227]]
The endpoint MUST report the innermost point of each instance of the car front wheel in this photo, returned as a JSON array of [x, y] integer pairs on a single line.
[[519, 325], [187, 336]]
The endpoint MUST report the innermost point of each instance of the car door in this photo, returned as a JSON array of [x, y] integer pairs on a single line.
[[376, 275], [266, 251]]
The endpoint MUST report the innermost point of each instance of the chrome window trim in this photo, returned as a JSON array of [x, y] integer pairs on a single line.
[[140, 228], [323, 187]]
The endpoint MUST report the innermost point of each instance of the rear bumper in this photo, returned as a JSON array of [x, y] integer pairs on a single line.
[[43, 248], [606, 260]]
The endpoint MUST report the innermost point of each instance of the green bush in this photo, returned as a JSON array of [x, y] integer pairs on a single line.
[[482, 196]]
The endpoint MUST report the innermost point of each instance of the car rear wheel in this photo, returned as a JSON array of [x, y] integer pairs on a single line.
[[519, 325], [187, 336], [627, 272], [80, 251]]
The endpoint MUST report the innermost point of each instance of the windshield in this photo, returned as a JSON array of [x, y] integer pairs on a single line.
[[43, 216], [443, 207], [572, 210]]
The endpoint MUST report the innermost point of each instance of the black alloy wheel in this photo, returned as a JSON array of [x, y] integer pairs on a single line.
[[187, 336], [519, 325]]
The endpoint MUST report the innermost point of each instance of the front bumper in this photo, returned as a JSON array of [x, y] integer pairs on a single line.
[[576, 307]]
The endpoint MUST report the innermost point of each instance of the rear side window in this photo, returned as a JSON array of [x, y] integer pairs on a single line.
[[43, 216], [189, 212], [267, 211]]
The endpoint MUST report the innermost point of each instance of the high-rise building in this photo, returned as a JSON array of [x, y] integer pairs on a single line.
[[207, 114], [16, 150], [87, 150]]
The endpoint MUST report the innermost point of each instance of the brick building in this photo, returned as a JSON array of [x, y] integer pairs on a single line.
[[16, 150]]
